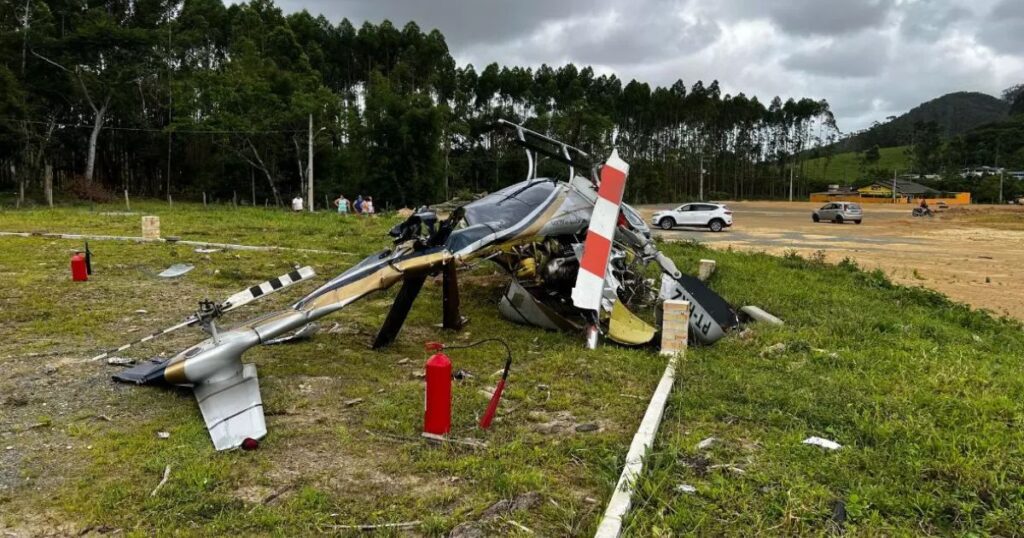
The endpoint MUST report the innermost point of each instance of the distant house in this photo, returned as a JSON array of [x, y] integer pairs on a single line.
[[881, 192], [904, 189], [981, 171]]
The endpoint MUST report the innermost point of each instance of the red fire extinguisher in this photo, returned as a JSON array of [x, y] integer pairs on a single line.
[[79, 270], [437, 417]]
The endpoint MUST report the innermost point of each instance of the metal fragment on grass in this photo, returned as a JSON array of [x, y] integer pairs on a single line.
[[686, 488], [706, 443], [176, 270], [822, 442]]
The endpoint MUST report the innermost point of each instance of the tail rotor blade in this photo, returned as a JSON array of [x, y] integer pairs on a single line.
[[275, 284]]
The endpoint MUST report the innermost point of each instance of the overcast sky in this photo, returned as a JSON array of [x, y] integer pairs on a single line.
[[868, 58]]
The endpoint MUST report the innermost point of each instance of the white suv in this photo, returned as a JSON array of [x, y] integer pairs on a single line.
[[714, 216]]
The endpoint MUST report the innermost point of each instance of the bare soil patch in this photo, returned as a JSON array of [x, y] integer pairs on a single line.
[[973, 254]]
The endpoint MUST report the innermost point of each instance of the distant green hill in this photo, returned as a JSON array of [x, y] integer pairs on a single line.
[[845, 168], [955, 114]]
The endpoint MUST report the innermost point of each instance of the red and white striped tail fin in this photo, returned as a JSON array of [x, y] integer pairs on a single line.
[[598, 245]]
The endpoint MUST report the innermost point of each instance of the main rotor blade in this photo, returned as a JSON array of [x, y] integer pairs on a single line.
[[241, 298], [188, 321], [275, 284]]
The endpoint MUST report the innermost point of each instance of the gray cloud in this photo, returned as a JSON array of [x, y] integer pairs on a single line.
[[463, 22], [1004, 28], [926, 21], [812, 17], [868, 58], [863, 56]]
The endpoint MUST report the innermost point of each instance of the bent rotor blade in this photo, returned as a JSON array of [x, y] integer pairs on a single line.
[[275, 284], [589, 287], [241, 298], [188, 321]]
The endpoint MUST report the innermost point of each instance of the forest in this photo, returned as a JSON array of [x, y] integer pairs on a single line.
[[190, 98]]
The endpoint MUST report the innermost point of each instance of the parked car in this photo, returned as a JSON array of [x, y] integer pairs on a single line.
[[713, 216], [838, 212]]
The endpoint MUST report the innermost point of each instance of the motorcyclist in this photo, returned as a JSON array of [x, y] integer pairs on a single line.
[[925, 210]]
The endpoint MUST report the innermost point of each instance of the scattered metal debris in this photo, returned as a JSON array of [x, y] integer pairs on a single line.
[[167, 475], [176, 270], [706, 443], [370, 527], [120, 361], [353, 402], [757, 314], [163, 435], [822, 442], [686, 488]]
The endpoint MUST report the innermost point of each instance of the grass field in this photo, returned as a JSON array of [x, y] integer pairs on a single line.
[[922, 394], [846, 169]]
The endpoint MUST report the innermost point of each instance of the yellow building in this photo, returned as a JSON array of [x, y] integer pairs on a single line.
[[907, 192]]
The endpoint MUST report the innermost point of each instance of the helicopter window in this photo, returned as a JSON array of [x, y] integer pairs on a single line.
[[504, 208]]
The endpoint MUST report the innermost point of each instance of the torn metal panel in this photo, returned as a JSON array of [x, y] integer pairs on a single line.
[[232, 408], [176, 270], [520, 306], [626, 328]]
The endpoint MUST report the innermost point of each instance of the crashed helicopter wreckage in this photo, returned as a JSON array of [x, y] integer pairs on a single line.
[[577, 256]]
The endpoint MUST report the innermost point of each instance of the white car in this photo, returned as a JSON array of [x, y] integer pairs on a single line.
[[714, 216]]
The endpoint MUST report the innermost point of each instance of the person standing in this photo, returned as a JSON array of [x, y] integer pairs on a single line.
[[368, 205], [358, 204], [297, 203], [342, 204]]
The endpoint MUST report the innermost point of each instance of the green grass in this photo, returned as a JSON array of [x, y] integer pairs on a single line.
[[923, 394], [846, 168]]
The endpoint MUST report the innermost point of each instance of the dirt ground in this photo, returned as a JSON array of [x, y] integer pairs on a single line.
[[978, 264]]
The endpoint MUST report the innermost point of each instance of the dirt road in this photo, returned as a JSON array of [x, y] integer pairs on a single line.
[[978, 265]]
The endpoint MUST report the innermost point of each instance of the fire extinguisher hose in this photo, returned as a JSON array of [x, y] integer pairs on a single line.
[[492, 407]]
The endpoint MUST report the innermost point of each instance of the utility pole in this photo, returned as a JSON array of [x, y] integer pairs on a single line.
[[309, 166], [702, 176], [791, 184], [894, 185], [1001, 187]]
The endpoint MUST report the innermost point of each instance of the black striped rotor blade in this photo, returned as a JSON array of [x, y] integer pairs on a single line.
[[188, 321], [245, 297]]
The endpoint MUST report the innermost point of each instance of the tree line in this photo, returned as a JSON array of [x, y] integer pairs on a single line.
[[192, 97]]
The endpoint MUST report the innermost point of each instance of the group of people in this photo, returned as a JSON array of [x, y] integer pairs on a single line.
[[359, 206]]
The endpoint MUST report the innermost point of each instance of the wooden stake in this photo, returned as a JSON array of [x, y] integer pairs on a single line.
[[127, 203], [48, 184]]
